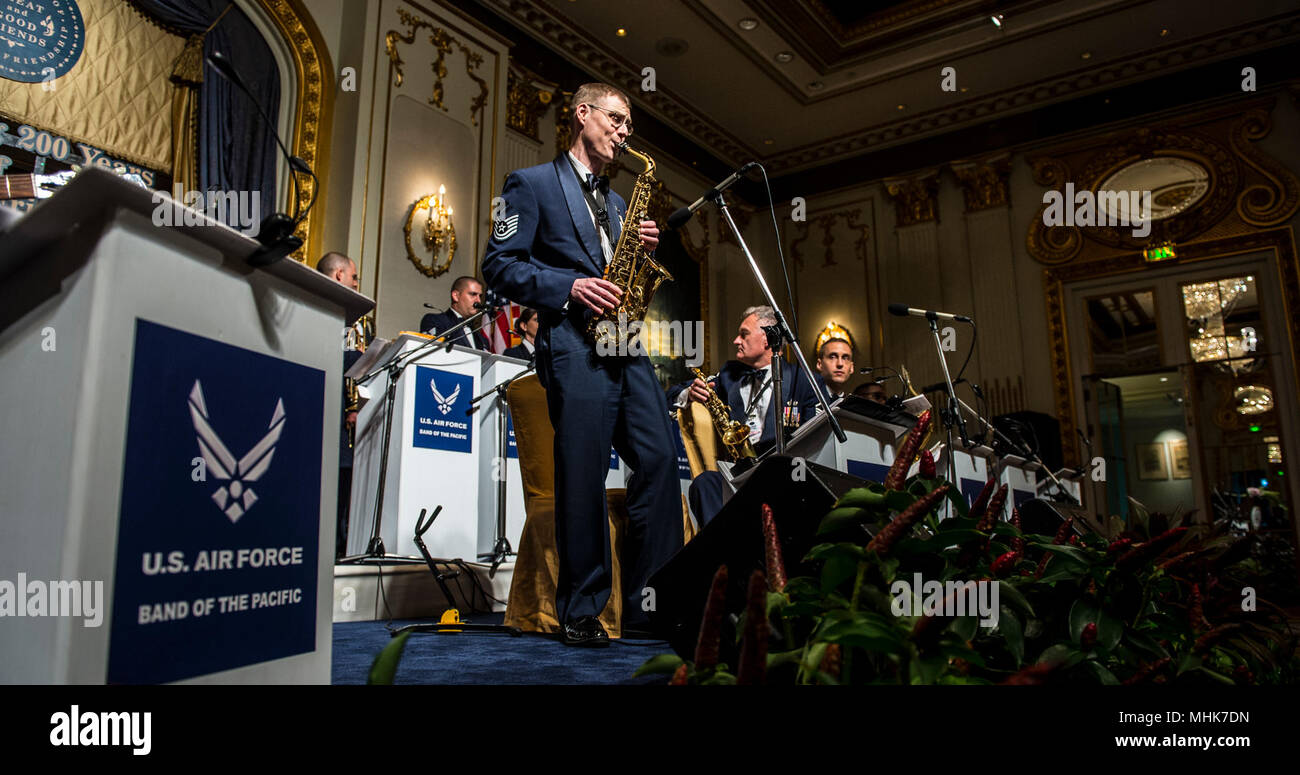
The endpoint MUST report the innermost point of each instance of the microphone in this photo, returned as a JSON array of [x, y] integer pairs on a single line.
[[276, 231], [684, 214], [902, 310]]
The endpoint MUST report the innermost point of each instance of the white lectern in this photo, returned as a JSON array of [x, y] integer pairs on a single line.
[[433, 454], [170, 454]]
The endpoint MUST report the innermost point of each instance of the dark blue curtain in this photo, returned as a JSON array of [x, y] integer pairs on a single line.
[[237, 151]]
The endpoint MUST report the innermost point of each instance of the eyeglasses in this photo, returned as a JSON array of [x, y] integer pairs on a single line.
[[615, 118]]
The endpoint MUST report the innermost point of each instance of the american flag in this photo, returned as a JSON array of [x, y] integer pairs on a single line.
[[502, 331]]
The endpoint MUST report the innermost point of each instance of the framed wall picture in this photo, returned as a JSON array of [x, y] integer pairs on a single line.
[[1180, 462], [1151, 462]]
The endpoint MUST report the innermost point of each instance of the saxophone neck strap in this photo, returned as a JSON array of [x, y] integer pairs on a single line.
[[599, 206]]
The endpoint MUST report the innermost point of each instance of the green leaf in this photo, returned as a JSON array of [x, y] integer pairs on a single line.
[[861, 498], [965, 627], [1008, 593], [954, 537], [384, 668], [666, 664], [1217, 676], [1068, 553], [897, 500], [826, 551], [1013, 634], [1145, 643], [1066, 654], [1109, 630], [843, 519], [1081, 614], [838, 569], [1106, 677]]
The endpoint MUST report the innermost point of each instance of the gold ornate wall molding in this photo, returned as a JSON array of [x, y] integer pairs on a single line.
[[313, 109], [526, 102], [1280, 240], [826, 223], [915, 198], [984, 184], [443, 43], [1246, 188]]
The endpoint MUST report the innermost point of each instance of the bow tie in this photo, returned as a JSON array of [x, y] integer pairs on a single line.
[[749, 375], [595, 182]]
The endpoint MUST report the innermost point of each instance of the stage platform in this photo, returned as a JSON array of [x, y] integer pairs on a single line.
[[489, 658], [410, 591]]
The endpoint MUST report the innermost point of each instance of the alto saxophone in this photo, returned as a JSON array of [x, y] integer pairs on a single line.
[[733, 433], [631, 268]]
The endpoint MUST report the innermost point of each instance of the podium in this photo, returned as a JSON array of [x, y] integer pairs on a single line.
[[168, 474], [498, 369], [433, 455]]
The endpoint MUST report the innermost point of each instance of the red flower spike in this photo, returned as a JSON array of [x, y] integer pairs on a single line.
[[1150, 549], [706, 648], [1146, 672], [927, 465], [1074, 541], [1063, 532], [1119, 545], [753, 649], [832, 661], [1018, 543], [982, 502], [1088, 638], [907, 453], [1004, 564], [679, 676], [896, 529], [1033, 675], [1196, 610], [772, 545], [993, 513]]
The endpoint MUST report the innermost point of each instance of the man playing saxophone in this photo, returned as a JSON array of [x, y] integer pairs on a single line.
[[745, 386], [549, 249]]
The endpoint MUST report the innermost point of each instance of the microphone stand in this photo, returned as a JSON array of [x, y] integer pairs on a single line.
[[951, 415], [1020, 450], [786, 334], [501, 548]]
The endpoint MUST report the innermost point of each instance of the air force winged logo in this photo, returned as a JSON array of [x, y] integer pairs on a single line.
[[506, 228], [237, 497], [444, 404]]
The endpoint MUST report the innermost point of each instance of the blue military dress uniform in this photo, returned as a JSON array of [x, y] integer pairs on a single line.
[[799, 403], [543, 241]]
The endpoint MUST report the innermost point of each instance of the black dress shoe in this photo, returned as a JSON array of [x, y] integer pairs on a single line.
[[585, 631]]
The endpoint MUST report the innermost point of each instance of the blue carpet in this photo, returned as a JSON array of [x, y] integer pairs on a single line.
[[489, 658]]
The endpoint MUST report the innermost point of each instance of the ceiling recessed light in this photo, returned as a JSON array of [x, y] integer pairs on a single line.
[[784, 56], [997, 20], [1086, 55], [901, 106], [816, 85], [747, 24], [622, 33], [1164, 32], [1164, 379], [964, 88], [768, 141]]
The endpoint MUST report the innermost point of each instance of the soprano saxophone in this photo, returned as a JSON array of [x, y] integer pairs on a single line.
[[733, 433], [631, 268]]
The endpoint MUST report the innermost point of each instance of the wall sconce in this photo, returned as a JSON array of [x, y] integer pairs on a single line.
[[439, 232], [833, 330]]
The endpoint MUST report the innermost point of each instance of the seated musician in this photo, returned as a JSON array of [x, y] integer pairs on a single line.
[[466, 299], [526, 328], [745, 386], [834, 367]]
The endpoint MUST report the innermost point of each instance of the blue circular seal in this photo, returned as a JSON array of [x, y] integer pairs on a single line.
[[40, 40]]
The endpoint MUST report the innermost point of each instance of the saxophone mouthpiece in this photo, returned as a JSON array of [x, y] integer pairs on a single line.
[[621, 147]]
